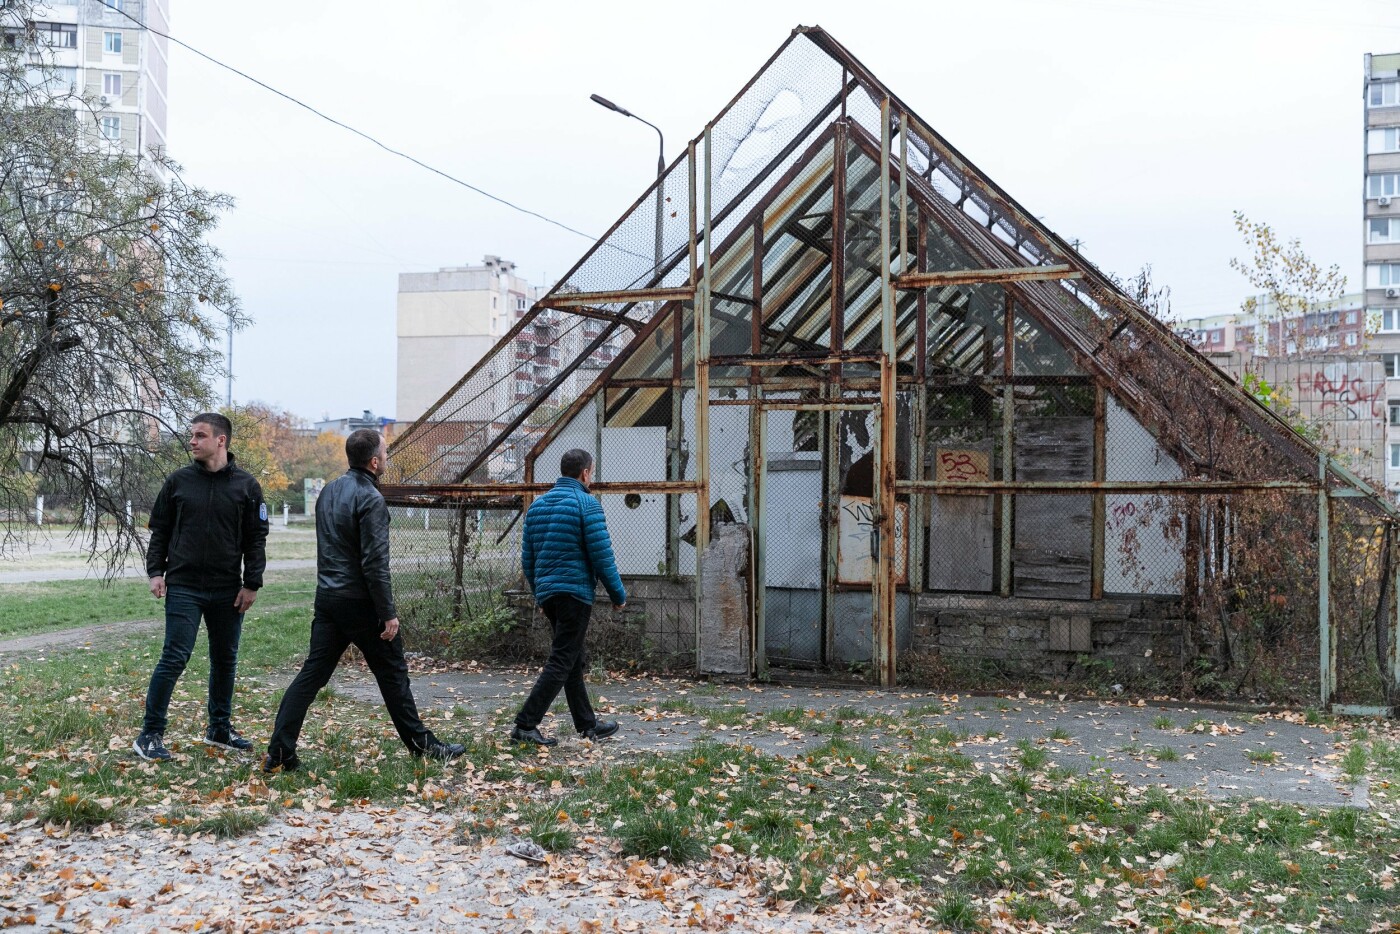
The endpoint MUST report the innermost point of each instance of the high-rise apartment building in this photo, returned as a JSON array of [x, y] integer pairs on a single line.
[[447, 321], [1381, 234], [95, 50]]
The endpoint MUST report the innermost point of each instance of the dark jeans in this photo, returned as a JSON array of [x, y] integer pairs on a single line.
[[338, 623], [567, 658], [183, 607]]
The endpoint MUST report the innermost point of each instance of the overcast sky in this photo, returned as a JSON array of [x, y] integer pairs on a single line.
[[1136, 126]]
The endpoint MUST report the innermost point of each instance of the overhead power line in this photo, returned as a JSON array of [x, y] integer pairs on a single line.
[[360, 133]]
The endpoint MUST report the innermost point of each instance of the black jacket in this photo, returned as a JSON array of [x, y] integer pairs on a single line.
[[204, 525], [352, 542]]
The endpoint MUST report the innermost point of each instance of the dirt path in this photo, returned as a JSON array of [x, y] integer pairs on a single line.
[[1210, 747]]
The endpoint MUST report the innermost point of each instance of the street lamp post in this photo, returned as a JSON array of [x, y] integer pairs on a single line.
[[660, 170]]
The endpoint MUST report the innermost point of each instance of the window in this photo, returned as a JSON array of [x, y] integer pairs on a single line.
[[58, 35], [1384, 94], [1392, 364], [114, 4], [1394, 407], [1382, 275], [520, 304], [112, 85], [1383, 230], [1383, 140], [1395, 457], [1350, 317], [112, 127], [1382, 185], [1352, 339], [112, 42], [1390, 319]]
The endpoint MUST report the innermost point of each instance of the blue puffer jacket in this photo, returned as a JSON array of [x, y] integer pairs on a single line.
[[566, 547]]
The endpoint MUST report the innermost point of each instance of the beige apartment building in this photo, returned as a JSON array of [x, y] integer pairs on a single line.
[[97, 49]]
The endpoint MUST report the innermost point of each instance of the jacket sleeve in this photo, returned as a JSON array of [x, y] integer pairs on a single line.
[[254, 537], [528, 551], [161, 523], [374, 555], [598, 544]]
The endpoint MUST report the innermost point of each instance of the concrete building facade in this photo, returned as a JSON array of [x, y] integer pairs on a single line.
[[447, 321], [1381, 235], [97, 49]]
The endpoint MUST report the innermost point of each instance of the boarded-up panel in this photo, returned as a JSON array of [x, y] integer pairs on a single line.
[[637, 521], [1052, 552], [854, 561], [961, 546]]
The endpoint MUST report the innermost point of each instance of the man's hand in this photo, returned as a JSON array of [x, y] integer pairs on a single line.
[[244, 600], [158, 586], [391, 629], [619, 606]]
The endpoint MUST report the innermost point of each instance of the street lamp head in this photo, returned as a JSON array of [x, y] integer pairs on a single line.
[[603, 101]]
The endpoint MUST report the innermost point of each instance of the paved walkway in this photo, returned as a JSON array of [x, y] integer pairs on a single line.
[[659, 715]]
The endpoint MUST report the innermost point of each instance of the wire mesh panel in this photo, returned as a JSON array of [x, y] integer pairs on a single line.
[[1362, 564], [793, 535]]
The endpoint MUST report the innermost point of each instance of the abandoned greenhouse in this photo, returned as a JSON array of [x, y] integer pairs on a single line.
[[854, 406]]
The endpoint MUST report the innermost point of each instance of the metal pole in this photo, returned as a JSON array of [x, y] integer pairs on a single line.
[[228, 392], [885, 463], [1326, 669], [702, 400]]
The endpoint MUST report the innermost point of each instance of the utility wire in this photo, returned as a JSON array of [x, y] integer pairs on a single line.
[[360, 133]]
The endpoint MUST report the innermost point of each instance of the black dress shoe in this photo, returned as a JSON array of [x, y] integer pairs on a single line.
[[601, 730], [534, 735], [289, 764], [437, 749]]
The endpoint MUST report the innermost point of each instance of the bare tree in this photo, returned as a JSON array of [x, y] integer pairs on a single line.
[[112, 302]]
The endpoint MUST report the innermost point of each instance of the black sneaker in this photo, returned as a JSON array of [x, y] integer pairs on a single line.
[[437, 749], [227, 738], [289, 764], [151, 747], [518, 735], [601, 730]]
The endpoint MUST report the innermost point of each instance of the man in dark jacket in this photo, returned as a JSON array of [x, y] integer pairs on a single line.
[[354, 605], [205, 557], [565, 552]]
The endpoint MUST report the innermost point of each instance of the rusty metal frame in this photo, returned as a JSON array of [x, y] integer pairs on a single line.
[[930, 280]]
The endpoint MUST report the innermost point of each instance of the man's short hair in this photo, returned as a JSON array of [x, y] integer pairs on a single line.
[[574, 463], [219, 423], [361, 446]]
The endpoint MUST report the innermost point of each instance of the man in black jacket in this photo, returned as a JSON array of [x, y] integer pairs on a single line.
[[354, 604], [206, 557]]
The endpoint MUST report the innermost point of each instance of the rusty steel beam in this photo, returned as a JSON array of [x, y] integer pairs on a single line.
[[793, 359], [927, 280], [456, 491], [884, 462], [1109, 486], [586, 311], [574, 300]]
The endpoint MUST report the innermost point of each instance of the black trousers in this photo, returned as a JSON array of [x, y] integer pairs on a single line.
[[337, 624], [567, 658]]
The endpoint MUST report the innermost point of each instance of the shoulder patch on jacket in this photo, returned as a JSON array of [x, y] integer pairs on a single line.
[[262, 511]]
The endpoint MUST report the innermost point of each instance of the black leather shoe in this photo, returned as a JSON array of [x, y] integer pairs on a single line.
[[601, 730], [518, 735], [290, 764], [437, 749]]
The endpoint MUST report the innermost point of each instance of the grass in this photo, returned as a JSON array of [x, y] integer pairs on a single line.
[[808, 823], [49, 606], [1261, 756], [1354, 761], [1059, 733], [1165, 754], [1163, 722], [58, 714]]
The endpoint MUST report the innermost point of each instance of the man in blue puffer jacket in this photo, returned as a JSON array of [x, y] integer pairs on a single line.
[[566, 551]]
